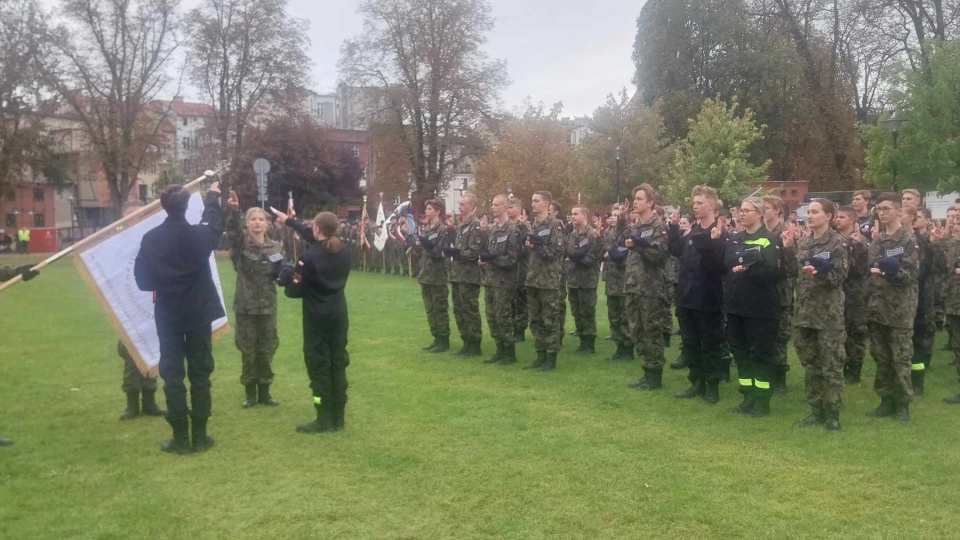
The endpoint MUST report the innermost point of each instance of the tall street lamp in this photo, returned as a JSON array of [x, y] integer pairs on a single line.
[[619, 158], [893, 126]]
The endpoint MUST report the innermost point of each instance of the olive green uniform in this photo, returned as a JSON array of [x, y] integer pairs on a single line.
[[520, 299], [543, 283], [855, 308], [614, 275], [581, 269], [433, 278], [465, 278], [646, 290], [500, 280]]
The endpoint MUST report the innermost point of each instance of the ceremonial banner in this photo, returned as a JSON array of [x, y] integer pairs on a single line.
[[107, 267], [380, 239]]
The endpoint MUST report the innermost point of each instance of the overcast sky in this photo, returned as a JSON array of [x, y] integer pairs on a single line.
[[556, 50]]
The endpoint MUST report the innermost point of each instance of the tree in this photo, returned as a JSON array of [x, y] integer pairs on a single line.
[[715, 153], [436, 84], [244, 52], [113, 56]]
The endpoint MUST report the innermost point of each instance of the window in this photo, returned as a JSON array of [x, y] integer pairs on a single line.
[[38, 220], [12, 220], [356, 151], [38, 194], [186, 143], [320, 110], [184, 121], [793, 193]]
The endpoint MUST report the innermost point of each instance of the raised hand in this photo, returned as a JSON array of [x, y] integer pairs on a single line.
[[675, 216], [281, 217], [233, 203]]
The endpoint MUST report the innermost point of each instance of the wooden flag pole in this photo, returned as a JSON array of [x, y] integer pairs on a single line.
[[104, 232]]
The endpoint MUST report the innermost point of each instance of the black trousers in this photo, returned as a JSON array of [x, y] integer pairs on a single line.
[[326, 358], [195, 347], [752, 342], [701, 334]]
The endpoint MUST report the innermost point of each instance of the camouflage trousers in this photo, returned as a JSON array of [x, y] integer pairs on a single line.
[[856, 344], [520, 309], [256, 338], [583, 306], [644, 314], [499, 306], [435, 304], [667, 312], [562, 306], [619, 325], [466, 310], [783, 337], [821, 353], [543, 307], [751, 341], [892, 349], [924, 330], [133, 380]]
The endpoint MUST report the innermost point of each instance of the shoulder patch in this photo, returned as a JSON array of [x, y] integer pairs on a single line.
[[895, 251], [545, 232]]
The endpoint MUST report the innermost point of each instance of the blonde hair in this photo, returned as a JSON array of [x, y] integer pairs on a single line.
[[756, 202], [253, 210]]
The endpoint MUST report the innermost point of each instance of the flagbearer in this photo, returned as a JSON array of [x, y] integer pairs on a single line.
[[257, 260]]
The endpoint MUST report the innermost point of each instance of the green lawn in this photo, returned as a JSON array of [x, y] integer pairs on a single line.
[[437, 447]]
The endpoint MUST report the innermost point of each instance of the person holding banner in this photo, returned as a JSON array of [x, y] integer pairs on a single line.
[[174, 263], [257, 260]]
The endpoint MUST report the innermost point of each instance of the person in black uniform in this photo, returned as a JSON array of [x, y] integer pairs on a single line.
[[319, 279], [174, 263]]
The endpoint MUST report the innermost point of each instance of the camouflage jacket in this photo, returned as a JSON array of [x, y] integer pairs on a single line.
[[893, 298], [581, 266], [672, 270], [614, 273], [545, 268], [949, 261], [502, 241], [787, 283], [820, 296], [647, 260], [855, 286], [470, 241], [256, 266], [930, 253], [433, 268]]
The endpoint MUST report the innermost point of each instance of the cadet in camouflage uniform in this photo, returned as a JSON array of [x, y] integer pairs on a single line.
[[822, 259], [465, 275], [924, 325], [950, 265], [543, 282], [614, 274], [499, 263], [645, 285], [671, 272], [854, 293], [556, 211], [773, 214], [582, 271], [894, 256], [257, 260], [432, 240], [520, 299]]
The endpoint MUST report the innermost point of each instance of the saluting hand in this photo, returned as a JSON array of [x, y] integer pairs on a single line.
[[789, 236], [281, 217], [675, 216], [233, 203], [809, 270]]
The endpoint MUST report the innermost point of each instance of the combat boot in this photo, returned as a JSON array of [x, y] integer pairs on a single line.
[[680, 362], [442, 345], [745, 406], [916, 377], [711, 392], [666, 339], [509, 355], [430, 346], [761, 407], [885, 408], [180, 443], [816, 417], [133, 405], [832, 420], [901, 412], [462, 350], [587, 345], [652, 380], [778, 384], [473, 350], [697, 388], [852, 373], [264, 397], [496, 356], [324, 421], [198, 432], [519, 336], [551, 362], [339, 414], [251, 399], [626, 355], [541, 358], [617, 353], [952, 400], [150, 407]]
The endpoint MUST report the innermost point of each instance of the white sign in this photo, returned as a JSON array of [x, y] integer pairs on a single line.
[[110, 268], [939, 204]]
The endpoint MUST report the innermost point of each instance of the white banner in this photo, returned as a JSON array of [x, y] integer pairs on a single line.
[[380, 240], [109, 266]]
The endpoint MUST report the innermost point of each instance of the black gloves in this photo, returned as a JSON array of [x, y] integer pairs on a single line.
[[285, 275], [487, 257], [451, 251]]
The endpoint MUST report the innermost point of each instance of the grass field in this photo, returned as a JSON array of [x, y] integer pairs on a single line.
[[437, 447]]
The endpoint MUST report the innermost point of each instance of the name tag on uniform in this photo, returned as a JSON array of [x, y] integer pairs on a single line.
[[276, 257], [501, 239], [545, 232], [895, 251], [432, 236], [584, 242], [621, 248], [825, 255], [647, 233]]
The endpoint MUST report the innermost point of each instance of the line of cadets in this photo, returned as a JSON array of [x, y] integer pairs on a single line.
[[744, 288]]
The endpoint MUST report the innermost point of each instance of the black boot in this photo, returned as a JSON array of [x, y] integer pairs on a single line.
[[133, 405], [324, 421], [462, 350], [697, 388], [952, 400], [816, 417], [832, 420], [264, 397], [745, 406], [761, 407], [442, 344], [430, 347], [339, 413], [251, 399], [551, 362], [519, 336], [587, 345], [666, 339], [778, 384], [180, 443], [901, 412], [916, 377], [541, 359], [852, 373], [150, 407], [627, 354], [652, 380], [680, 362], [711, 392], [497, 356], [885, 408], [473, 349], [617, 353], [198, 432], [509, 355]]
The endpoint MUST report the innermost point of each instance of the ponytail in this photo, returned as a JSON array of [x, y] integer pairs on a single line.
[[329, 224]]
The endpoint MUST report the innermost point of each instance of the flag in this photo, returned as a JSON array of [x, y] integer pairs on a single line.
[[380, 239], [290, 211], [364, 216]]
